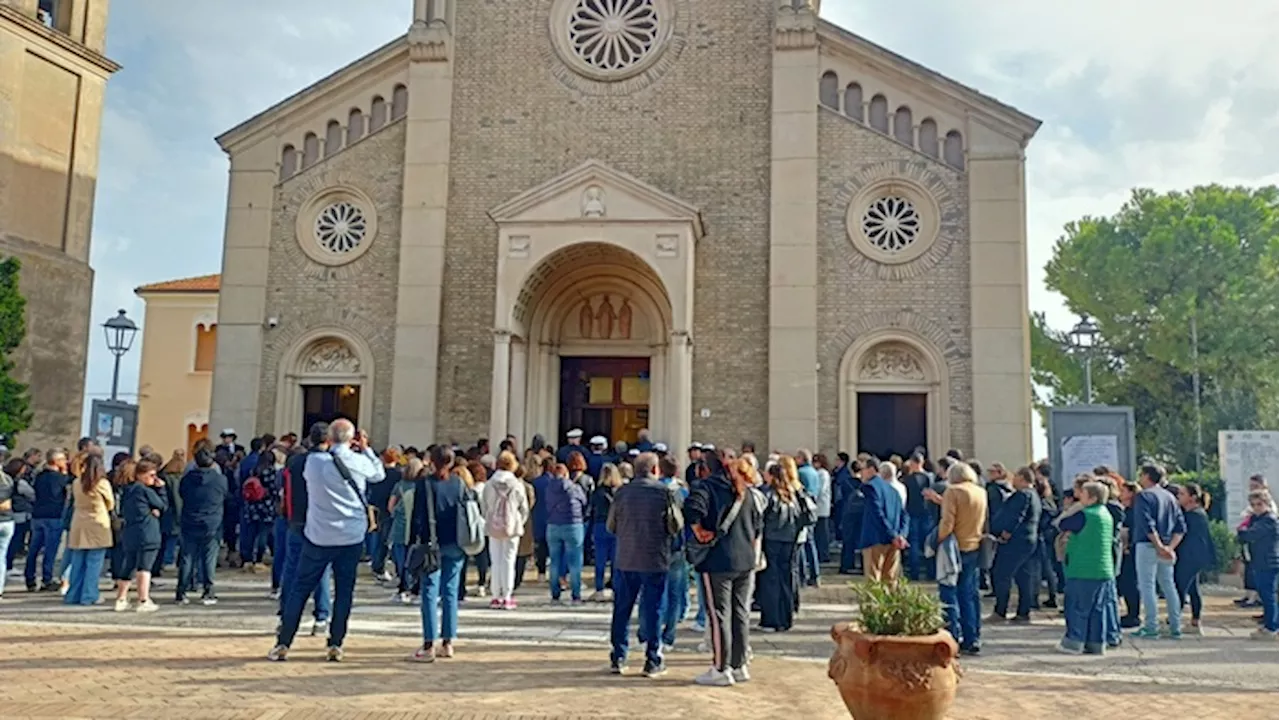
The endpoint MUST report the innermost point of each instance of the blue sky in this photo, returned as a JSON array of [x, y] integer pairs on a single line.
[[1165, 94]]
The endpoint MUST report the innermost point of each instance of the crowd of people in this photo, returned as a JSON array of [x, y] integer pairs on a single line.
[[739, 533]]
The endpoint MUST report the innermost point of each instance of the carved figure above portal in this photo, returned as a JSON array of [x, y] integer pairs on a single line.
[[331, 357], [624, 320], [593, 202], [598, 320], [891, 362], [604, 319]]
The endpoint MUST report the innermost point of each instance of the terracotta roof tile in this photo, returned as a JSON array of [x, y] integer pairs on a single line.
[[201, 284]]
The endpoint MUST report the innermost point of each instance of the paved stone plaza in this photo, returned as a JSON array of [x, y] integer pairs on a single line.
[[542, 662]]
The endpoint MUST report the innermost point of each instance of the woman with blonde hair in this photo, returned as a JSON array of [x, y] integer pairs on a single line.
[[606, 543], [778, 583], [506, 513], [90, 535]]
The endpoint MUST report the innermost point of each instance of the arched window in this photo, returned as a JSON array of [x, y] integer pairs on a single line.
[[355, 125], [953, 150], [310, 150], [853, 101], [878, 114], [332, 138], [903, 130], [206, 345], [829, 90], [929, 137], [377, 114], [399, 102], [288, 162]]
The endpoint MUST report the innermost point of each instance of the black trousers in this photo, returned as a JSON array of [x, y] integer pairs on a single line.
[[776, 585], [540, 554], [1020, 563], [1187, 580], [198, 561], [1127, 587], [729, 621]]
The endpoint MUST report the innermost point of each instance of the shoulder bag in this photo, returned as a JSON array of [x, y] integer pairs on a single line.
[[370, 514], [696, 551], [423, 558]]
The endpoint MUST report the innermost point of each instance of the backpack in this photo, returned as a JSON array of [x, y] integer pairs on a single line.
[[253, 490], [471, 524], [500, 523]]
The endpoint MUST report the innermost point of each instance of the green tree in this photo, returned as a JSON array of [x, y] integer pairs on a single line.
[[1165, 264], [15, 403]]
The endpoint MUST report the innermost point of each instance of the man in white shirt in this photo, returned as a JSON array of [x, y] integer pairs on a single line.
[[337, 522]]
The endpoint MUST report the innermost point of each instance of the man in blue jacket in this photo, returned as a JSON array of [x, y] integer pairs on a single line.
[[1159, 526], [884, 527]]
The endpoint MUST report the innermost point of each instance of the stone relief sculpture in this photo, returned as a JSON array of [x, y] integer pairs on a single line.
[[593, 202], [624, 319], [891, 362], [331, 357], [605, 318], [586, 319]]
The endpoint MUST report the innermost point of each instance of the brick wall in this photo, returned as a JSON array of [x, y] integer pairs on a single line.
[[931, 296], [698, 129], [359, 297]]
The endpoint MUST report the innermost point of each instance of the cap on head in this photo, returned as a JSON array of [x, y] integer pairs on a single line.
[[695, 446], [599, 441], [574, 433], [709, 448], [228, 433], [660, 447]]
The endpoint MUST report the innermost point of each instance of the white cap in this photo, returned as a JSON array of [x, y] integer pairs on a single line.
[[229, 431], [660, 447], [575, 433], [633, 452], [708, 447], [599, 440]]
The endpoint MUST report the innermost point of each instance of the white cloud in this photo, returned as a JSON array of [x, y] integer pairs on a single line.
[[1133, 92]]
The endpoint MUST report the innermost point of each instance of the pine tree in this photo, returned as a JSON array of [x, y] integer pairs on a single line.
[[15, 402]]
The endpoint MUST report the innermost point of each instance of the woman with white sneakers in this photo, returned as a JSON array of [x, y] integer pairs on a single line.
[[506, 511]]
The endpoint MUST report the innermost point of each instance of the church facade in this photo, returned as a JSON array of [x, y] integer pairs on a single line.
[[723, 221]]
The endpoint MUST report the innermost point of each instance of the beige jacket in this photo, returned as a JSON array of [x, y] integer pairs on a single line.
[[91, 521]]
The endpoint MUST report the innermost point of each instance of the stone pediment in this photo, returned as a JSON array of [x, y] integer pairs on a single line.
[[595, 192]]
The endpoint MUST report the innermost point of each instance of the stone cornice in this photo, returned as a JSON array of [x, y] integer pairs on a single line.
[[38, 30]]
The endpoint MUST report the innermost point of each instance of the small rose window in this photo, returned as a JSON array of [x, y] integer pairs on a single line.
[[891, 224], [340, 227]]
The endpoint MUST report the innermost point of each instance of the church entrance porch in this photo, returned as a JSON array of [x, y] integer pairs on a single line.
[[604, 396], [894, 395], [325, 374]]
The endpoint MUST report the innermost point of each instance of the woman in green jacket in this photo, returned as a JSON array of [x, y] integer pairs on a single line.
[[1089, 568]]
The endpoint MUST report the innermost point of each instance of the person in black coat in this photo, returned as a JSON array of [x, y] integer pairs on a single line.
[[204, 493], [1196, 552], [1017, 525], [140, 508]]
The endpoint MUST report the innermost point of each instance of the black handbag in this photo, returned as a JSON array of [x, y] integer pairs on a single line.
[[423, 558]]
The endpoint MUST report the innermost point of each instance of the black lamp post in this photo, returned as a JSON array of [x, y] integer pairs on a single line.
[[1084, 341], [120, 331]]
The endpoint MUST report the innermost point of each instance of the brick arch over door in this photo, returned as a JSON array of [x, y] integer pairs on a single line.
[[947, 352]]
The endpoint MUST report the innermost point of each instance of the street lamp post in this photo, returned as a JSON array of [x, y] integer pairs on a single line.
[[120, 331], [1084, 339]]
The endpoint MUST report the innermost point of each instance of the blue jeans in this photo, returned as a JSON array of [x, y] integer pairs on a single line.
[[86, 566], [280, 529], [675, 601], [701, 617], [441, 587], [46, 535], [6, 536], [918, 529], [199, 560], [1153, 569], [606, 548], [1111, 615], [1084, 604], [253, 538], [314, 563], [809, 567], [292, 552], [565, 544], [649, 588], [962, 603], [1265, 582], [850, 529]]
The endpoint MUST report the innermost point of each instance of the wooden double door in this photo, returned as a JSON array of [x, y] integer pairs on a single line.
[[606, 396]]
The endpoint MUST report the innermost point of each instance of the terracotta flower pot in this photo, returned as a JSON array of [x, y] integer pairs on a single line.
[[884, 677]]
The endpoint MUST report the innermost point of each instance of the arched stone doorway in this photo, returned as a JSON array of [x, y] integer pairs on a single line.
[[589, 343], [894, 395], [325, 374]]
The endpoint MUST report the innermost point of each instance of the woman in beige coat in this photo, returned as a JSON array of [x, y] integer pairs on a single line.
[[90, 534]]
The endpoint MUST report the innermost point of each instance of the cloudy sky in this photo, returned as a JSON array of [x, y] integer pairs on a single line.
[[1166, 94]]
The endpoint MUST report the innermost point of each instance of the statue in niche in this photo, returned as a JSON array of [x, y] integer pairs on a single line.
[[585, 319], [624, 319], [593, 202], [604, 319]]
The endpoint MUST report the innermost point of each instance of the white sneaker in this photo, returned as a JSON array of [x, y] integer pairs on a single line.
[[384, 577], [122, 604], [714, 678], [148, 606], [740, 675]]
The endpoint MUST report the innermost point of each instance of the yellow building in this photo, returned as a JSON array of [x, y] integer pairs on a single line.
[[179, 334], [52, 78]]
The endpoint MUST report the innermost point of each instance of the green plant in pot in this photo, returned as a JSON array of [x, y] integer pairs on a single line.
[[894, 660]]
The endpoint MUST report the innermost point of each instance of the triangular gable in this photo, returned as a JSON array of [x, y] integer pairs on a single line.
[[621, 197]]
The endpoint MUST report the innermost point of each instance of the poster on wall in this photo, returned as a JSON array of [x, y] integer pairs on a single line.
[[1083, 453], [1242, 454], [113, 425], [1082, 437]]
